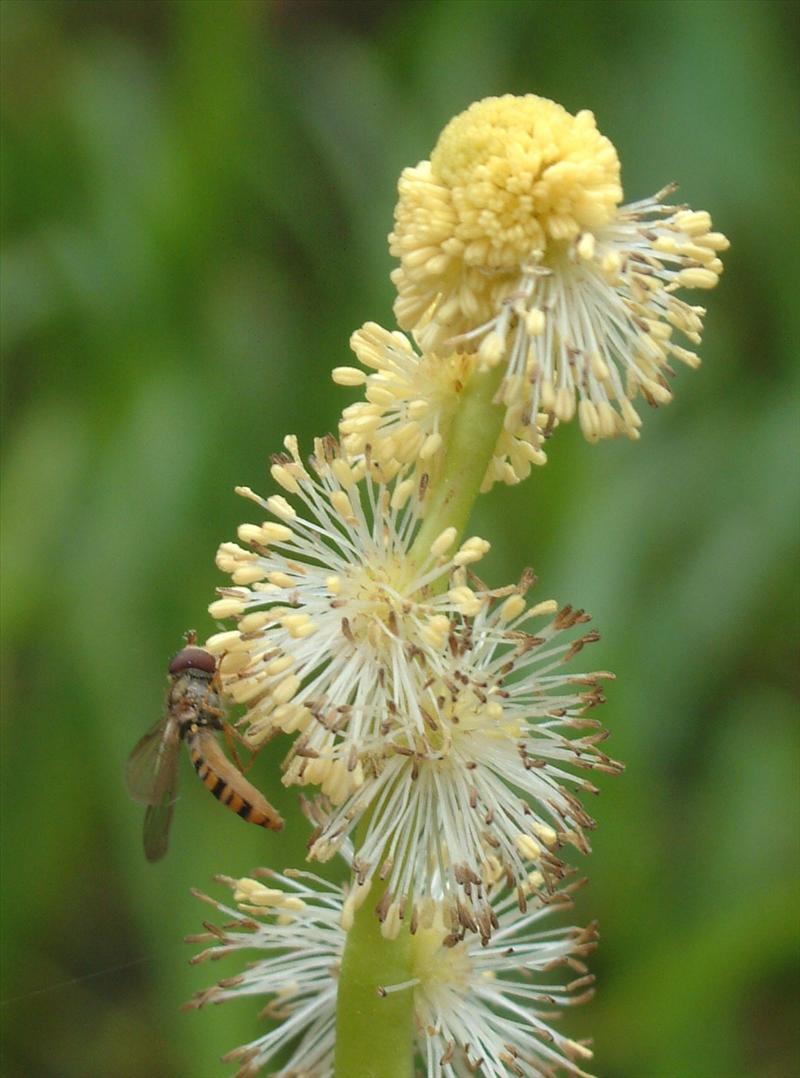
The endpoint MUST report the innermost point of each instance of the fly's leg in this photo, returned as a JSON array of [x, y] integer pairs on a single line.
[[232, 735], [230, 741]]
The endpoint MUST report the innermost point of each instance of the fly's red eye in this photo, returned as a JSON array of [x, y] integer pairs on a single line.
[[193, 659]]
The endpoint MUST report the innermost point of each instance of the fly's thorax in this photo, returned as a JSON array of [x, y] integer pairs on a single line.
[[193, 700], [192, 723]]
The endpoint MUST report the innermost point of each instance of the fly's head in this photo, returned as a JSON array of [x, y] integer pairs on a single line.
[[193, 696]]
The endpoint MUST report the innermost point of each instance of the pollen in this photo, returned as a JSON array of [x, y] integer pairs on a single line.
[[512, 608], [226, 608], [466, 601], [275, 533], [286, 689], [278, 505], [444, 542], [472, 550], [528, 848], [251, 893], [547, 834]]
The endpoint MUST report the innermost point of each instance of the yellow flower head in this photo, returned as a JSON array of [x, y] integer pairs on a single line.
[[521, 172], [513, 246]]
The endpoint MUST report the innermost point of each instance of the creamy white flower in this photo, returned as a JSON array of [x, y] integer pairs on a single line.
[[411, 401], [487, 1010], [488, 783], [338, 626]]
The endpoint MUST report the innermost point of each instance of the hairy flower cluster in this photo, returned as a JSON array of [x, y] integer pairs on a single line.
[[338, 626], [477, 1009], [433, 707], [513, 245], [411, 401], [488, 784]]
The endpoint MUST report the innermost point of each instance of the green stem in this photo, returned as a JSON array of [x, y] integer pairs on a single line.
[[471, 441], [375, 1034]]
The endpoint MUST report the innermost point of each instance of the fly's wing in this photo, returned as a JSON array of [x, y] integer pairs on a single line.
[[157, 819], [151, 775], [152, 767]]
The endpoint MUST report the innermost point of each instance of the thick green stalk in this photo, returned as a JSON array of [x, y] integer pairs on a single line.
[[476, 428], [375, 1034]]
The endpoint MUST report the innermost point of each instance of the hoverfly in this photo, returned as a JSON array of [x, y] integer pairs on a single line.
[[193, 713]]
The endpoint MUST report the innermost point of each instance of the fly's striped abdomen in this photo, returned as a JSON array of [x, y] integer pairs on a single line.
[[228, 785], [221, 789]]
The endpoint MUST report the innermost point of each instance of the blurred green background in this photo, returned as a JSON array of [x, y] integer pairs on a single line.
[[196, 199]]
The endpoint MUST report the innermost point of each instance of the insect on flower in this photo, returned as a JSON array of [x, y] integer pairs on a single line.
[[193, 713]]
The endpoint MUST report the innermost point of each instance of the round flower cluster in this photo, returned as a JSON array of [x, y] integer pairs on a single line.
[[338, 628], [513, 246], [487, 1007], [411, 402]]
